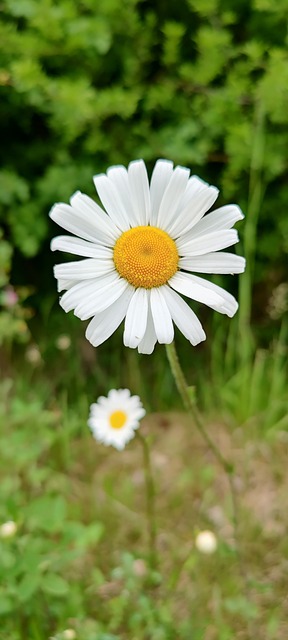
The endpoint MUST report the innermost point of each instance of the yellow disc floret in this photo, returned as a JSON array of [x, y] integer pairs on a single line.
[[117, 419], [146, 257]]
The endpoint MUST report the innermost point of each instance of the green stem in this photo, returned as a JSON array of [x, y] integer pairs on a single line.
[[228, 468], [226, 465], [191, 408], [150, 500]]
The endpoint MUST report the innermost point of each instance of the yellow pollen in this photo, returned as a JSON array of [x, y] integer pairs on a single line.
[[117, 419], [146, 257]]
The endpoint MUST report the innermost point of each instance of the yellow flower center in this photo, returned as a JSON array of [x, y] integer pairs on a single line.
[[118, 419], [146, 257]]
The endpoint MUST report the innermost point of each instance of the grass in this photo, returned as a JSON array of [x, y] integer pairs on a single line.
[[80, 557]]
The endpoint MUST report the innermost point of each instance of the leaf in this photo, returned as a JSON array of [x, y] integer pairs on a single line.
[[28, 585], [6, 605], [55, 585], [47, 513]]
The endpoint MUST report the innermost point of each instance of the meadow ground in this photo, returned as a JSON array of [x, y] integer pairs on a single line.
[[80, 559]]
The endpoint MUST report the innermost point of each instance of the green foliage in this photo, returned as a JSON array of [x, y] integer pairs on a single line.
[[82, 89], [77, 558], [254, 392], [203, 83], [5, 260]]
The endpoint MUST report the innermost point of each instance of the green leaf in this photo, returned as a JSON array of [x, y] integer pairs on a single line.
[[28, 585], [47, 513], [55, 585], [6, 605]]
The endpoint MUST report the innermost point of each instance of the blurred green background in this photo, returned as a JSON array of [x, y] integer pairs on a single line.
[[84, 85]]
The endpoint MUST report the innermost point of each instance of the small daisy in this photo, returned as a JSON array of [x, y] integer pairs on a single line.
[[113, 420], [142, 251]]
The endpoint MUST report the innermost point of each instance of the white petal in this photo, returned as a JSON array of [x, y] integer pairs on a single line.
[[171, 198], [136, 319], [105, 323], [161, 317], [222, 218], [79, 247], [214, 241], [66, 284], [83, 269], [93, 296], [204, 291], [219, 262], [194, 185], [77, 293], [149, 340], [122, 394], [161, 175], [190, 213], [229, 305], [140, 194], [74, 222], [184, 283], [185, 319], [102, 297], [109, 196], [91, 212], [119, 176]]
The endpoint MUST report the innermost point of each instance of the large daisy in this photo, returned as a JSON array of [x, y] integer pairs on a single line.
[[142, 250]]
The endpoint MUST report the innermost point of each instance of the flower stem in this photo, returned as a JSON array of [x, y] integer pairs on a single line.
[[227, 466], [150, 499], [189, 404]]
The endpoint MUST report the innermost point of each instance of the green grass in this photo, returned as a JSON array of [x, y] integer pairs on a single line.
[[80, 558]]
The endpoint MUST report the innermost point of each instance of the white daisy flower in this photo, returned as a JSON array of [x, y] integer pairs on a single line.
[[143, 251], [113, 420]]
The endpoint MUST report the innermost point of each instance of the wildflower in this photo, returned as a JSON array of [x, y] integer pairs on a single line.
[[33, 355], [10, 297], [113, 420], [143, 252], [69, 634], [63, 343], [8, 529], [139, 568], [278, 303], [206, 542]]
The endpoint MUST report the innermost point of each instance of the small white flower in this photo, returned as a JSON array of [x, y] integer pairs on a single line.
[[69, 634], [143, 251], [33, 355], [206, 542], [63, 343], [113, 420], [8, 529]]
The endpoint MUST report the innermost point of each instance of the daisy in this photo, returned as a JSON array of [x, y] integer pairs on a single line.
[[142, 250], [113, 420]]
